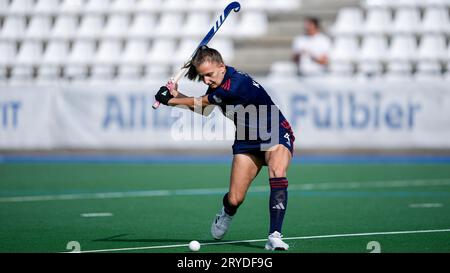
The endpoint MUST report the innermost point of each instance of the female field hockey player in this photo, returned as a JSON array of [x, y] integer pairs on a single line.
[[231, 89]]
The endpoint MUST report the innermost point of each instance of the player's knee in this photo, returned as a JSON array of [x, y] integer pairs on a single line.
[[235, 199], [277, 171]]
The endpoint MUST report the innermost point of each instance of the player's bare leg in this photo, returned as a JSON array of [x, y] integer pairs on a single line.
[[278, 159], [244, 169]]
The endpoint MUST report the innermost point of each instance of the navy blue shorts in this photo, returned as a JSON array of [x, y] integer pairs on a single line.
[[285, 137]]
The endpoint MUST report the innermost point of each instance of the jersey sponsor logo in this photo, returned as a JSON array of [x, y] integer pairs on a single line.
[[227, 85]]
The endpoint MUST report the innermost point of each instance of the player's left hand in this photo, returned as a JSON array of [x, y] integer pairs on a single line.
[[163, 95]]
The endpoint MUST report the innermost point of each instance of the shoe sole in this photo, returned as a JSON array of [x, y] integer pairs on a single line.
[[275, 248]]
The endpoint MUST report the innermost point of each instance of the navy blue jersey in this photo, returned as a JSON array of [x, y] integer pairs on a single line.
[[238, 91]]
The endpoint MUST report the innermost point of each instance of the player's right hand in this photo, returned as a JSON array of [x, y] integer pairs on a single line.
[[163, 95]]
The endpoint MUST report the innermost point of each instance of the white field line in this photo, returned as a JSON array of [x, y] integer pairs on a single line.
[[210, 191], [97, 214], [263, 240], [426, 205]]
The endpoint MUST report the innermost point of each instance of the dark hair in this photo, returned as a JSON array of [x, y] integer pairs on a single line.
[[203, 54], [314, 20]]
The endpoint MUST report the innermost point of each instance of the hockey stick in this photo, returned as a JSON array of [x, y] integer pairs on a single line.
[[232, 6]]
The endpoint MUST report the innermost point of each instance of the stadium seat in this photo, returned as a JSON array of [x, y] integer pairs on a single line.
[[398, 4], [133, 59], [252, 24], [97, 6], [225, 47], [71, 7], [435, 20], [436, 3], [197, 24], [282, 5], [91, 26], [184, 51], [107, 57], [156, 71], [7, 58], [406, 21], [65, 27], [162, 51], [39, 27], [46, 7], [121, 6], [378, 21], [343, 55], [431, 54], [29, 55], [348, 22], [169, 25], [203, 6], [282, 70], [14, 27], [369, 4], [54, 58], [4, 5], [80, 58], [145, 6], [142, 26], [21, 7], [403, 48], [175, 6], [117, 26], [373, 52]]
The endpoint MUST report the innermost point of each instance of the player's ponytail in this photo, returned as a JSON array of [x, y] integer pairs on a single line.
[[203, 54]]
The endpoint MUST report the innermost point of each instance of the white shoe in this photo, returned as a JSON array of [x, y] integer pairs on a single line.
[[275, 243], [220, 224]]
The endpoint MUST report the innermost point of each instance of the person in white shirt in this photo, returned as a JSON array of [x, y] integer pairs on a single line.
[[310, 51]]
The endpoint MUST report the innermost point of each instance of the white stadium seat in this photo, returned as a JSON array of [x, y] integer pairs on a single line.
[[65, 27], [142, 26], [405, 4], [81, 56], [252, 24], [378, 21], [169, 25], [406, 21], [348, 21], [123, 6], [97, 6], [54, 58], [29, 55], [107, 57], [431, 53], [373, 52], [39, 27], [91, 26], [225, 47], [147, 6], [117, 26], [184, 51], [46, 7], [133, 59], [21, 7], [403, 48], [8, 49], [343, 55], [162, 51], [175, 5], [197, 24], [14, 27], [72, 7], [435, 20]]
